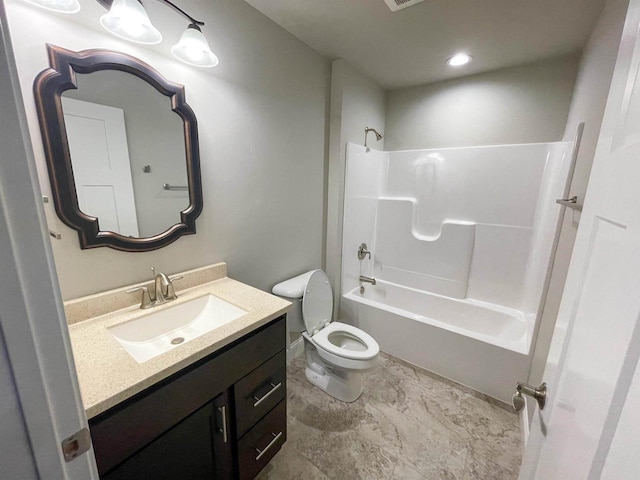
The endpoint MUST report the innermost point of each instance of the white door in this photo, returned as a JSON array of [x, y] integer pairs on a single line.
[[101, 168], [590, 428], [32, 322]]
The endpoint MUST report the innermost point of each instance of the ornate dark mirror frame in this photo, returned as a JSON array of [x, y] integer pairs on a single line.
[[49, 86]]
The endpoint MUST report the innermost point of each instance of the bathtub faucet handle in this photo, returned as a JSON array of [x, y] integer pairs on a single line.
[[363, 251]]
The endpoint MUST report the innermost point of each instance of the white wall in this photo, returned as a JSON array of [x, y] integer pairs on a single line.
[[357, 102], [262, 120], [589, 100], [525, 104]]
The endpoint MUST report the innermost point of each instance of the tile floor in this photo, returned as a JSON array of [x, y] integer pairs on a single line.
[[408, 424]]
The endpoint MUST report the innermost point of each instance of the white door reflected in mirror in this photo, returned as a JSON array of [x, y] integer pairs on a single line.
[[98, 145]]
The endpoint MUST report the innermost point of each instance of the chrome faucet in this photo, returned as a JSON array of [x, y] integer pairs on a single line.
[[163, 290], [370, 280]]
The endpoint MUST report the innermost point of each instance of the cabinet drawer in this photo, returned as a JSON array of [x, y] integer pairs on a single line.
[[260, 391], [262, 442]]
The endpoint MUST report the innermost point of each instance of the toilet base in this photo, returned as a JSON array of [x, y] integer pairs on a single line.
[[347, 389], [341, 384]]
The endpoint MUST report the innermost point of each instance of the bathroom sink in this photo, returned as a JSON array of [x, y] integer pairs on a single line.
[[149, 336]]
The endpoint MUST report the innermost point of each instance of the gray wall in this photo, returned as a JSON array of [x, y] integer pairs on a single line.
[[356, 102], [525, 104], [589, 101], [262, 117]]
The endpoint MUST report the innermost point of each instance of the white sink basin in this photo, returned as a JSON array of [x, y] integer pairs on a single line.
[[149, 336]]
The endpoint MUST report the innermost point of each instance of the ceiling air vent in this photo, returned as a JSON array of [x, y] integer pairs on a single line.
[[396, 5]]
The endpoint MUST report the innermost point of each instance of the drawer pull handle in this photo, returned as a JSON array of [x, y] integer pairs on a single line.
[[223, 430], [259, 400], [262, 452]]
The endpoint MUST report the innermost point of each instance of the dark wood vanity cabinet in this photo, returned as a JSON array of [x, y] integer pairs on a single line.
[[191, 450], [221, 418]]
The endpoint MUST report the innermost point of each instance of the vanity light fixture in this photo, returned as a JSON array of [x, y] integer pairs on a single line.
[[193, 48], [459, 59], [128, 19], [59, 6]]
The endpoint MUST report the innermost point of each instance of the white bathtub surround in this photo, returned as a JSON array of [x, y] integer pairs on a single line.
[[461, 241], [407, 255]]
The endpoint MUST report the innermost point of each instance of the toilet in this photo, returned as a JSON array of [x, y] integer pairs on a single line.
[[336, 354]]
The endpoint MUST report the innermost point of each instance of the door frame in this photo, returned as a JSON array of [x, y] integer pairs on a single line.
[[32, 317]]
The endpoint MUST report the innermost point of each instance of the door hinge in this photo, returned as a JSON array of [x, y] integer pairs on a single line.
[[76, 444]]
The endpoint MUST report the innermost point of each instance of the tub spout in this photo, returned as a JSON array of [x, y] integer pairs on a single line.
[[370, 280]]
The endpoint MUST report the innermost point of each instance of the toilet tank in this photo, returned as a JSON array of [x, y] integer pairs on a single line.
[[293, 291]]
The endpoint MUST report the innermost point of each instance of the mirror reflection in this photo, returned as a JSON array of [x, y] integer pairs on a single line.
[[127, 152]]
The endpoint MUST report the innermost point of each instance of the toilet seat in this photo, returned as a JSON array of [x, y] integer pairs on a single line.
[[322, 340], [317, 308]]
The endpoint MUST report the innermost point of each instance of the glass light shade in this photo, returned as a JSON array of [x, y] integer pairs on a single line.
[[193, 49], [60, 6], [129, 20], [459, 59]]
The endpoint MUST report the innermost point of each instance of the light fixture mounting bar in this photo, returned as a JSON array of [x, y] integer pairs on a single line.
[[107, 4], [179, 10]]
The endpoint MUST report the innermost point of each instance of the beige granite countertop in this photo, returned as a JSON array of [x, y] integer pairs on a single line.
[[108, 374]]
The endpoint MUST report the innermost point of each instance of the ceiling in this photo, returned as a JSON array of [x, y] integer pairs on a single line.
[[410, 47]]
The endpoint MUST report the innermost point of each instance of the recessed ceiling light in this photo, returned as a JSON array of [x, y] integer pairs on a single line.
[[459, 59]]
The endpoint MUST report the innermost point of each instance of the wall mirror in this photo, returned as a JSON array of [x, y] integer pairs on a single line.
[[121, 146]]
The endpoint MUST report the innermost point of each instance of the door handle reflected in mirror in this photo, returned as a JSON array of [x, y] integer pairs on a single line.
[[540, 394]]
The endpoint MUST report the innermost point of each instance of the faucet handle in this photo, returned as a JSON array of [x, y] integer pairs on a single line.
[[171, 291], [363, 251], [146, 299]]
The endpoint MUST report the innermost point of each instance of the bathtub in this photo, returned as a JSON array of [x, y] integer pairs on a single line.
[[480, 345]]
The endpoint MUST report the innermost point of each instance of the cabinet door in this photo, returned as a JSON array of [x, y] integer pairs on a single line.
[[194, 449]]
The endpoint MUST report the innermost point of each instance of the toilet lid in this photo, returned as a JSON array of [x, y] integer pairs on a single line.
[[317, 303]]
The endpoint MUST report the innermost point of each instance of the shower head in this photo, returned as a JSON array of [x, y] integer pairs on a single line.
[[367, 130], [378, 134]]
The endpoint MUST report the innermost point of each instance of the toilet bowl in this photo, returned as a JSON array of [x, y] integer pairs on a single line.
[[336, 354]]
